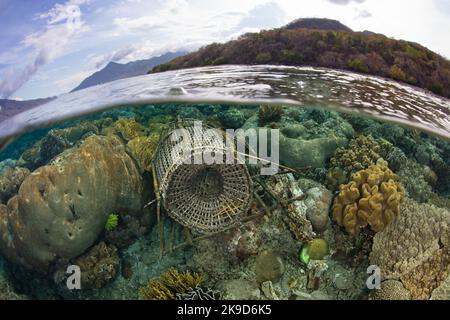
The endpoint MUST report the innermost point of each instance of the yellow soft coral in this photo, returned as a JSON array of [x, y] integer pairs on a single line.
[[143, 148], [129, 128], [372, 198], [170, 284]]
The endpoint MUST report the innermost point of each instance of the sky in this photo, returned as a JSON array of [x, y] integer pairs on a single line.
[[48, 47]]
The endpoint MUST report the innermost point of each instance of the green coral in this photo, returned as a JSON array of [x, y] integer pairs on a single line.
[[316, 249], [112, 222], [170, 284]]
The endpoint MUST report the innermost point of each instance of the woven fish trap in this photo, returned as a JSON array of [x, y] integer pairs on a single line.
[[204, 197]]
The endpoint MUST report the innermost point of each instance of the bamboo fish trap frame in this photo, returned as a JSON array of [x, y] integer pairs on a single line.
[[206, 199]]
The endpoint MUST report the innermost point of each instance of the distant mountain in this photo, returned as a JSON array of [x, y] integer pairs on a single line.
[[330, 44], [319, 24], [114, 71], [8, 108]]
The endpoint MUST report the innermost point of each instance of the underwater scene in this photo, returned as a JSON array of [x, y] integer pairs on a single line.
[[312, 199]]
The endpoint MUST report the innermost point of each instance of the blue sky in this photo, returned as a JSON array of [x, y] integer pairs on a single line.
[[48, 47]]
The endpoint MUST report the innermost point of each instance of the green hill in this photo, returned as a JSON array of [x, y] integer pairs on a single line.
[[300, 43]]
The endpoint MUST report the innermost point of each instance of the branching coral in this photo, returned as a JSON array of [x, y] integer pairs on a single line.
[[269, 113], [418, 234], [170, 284], [372, 198]]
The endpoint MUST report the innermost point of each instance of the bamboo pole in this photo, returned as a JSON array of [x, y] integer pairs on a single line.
[[158, 213]]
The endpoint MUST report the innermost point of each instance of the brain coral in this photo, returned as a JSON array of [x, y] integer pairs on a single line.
[[61, 208], [372, 198], [414, 244]]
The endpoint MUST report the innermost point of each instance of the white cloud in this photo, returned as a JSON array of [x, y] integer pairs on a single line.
[[63, 24], [345, 2]]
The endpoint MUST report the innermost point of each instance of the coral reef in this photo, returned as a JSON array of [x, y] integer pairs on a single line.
[[396, 158], [404, 247], [269, 113], [128, 128], [286, 188], [10, 181], [55, 142], [390, 290], [61, 208], [318, 201], [422, 280], [143, 148], [362, 152], [98, 266], [171, 284], [372, 198], [313, 153], [443, 291], [239, 289], [128, 230], [232, 118], [268, 266], [415, 178]]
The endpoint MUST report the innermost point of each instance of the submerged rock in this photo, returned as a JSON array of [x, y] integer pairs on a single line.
[[268, 266], [61, 208], [318, 204]]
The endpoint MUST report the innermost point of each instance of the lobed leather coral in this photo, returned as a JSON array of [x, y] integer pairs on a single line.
[[362, 152], [415, 248], [372, 198], [171, 284]]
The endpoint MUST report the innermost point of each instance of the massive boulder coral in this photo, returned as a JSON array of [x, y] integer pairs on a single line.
[[61, 208], [428, 276], [372, 198], [415, 248]]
